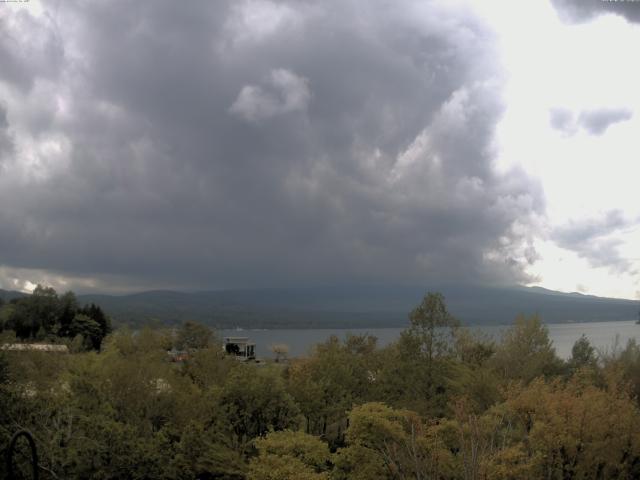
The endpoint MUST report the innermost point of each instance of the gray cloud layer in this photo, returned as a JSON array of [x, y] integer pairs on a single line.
[[591, 240], [578, 11], [253, 144], [596, 122]]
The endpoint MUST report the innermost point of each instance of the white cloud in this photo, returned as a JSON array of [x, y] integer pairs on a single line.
[[283, 92], [254, 21]]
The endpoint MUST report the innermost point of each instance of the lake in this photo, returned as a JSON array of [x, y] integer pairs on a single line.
[[602, 335]]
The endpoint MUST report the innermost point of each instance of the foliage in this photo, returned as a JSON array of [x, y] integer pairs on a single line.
[[46, 316], [432, 326], [441, 403], [254, 401], [399, 443], [290, 455], [419, 370], [193, 336], [327, 384], [526, 351]]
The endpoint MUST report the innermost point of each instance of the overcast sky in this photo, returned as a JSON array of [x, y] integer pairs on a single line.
[[202, 145]]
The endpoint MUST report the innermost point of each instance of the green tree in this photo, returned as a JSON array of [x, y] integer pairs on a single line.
[[96, 313], [397, 444], [208, 367], [88, 329], [582, 355], [526, 351], [418, 370], [44, 315], [194, 335], [67, 310], [255, 401], [290, 455], [432, 326], [204, 453], [327, 384]]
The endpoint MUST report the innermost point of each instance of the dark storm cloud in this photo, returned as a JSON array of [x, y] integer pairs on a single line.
[[255, 144], [6, 143], [578, 11], [591, 239], [594, 122]]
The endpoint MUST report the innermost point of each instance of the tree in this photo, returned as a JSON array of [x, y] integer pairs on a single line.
[[473, 348], [328, 383], [203, 453], [254, 401], [96, 313], [582, 354], [194, 335], [396, 444], [288, 455], [208, 367], [88, 329], [621, 367], [432, 326], [417, 370], [573, 431], [44, 315], [273, 467], [67, 310], [526, 351]]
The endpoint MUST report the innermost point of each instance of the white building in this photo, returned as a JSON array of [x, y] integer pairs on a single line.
[[240, 347]]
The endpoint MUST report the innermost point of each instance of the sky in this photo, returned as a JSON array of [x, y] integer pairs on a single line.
[[251, 144]]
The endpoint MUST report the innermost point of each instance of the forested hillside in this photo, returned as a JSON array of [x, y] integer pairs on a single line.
[[437, 404], [354, 307]]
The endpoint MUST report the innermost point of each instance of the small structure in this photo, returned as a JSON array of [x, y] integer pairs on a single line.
[[178, 356], [240, 347], [37, 347]]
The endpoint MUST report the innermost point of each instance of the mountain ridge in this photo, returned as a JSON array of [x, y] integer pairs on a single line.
[[351, 307]]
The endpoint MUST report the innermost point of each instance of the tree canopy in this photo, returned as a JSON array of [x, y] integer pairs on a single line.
[[46, 316], [440, 403]]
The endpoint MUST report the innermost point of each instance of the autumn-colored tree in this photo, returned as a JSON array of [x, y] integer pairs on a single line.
[[561, 431]]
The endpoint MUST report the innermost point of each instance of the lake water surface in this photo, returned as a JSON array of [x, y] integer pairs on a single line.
[[602, 335]]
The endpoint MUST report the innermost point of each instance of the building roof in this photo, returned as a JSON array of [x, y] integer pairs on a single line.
[[239, 340]]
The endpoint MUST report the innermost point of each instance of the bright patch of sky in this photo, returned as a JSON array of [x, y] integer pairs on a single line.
[[561, 77]]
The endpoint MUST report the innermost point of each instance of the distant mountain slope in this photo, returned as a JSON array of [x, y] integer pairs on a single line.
[[7, 295], [351, 307]]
